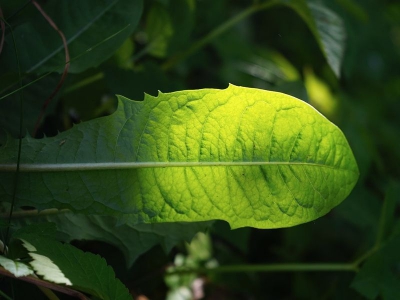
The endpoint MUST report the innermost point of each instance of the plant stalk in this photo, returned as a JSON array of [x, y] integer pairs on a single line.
[[21, 119], [256, 7], [293, 267]]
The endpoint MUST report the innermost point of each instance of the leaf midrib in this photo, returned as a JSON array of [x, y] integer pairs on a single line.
[[138, 165]]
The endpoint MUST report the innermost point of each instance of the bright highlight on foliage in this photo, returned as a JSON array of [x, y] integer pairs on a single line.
[[247, 156], [46, 268], [18, 269]]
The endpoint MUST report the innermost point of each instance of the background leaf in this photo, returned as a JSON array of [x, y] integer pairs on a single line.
[[87, 272], [41, 50], [168, 26], [327, 27], [133, 240], [34, 97], [379, 276]]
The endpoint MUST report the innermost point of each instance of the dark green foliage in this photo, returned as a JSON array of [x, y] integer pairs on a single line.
[[345, 52]]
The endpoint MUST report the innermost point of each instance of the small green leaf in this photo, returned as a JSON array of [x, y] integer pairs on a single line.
[[64, 264], [17, 268], [326, 26], [44, 267], [247, 156]]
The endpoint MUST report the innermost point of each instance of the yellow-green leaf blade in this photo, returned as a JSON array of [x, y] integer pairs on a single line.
[[247, 156]]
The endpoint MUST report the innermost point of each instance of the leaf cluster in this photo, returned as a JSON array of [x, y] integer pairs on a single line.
[[340, 57]]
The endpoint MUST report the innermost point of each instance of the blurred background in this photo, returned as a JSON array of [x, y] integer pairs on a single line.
[[357, 88]]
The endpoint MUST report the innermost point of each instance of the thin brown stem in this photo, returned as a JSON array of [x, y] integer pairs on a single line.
[[46, 284], [66, 67]]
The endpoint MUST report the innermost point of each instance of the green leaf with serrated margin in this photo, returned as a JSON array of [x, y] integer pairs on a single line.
[[247, 156], [65, 264], [17, 268]]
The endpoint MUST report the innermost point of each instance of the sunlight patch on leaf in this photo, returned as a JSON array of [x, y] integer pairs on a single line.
[[44, 267], [28, 246], [65, 264], [159, 30], [320, 94], [17, 268]]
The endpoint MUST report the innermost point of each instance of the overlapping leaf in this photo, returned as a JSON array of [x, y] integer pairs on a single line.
[[84, 24], [326, 26], [62, 263], [132, 240]]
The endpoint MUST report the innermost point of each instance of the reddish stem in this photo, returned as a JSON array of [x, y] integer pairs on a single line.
[[46, 284], [64, 74]]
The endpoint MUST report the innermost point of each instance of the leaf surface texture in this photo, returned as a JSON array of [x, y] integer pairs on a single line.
[[247, 156]]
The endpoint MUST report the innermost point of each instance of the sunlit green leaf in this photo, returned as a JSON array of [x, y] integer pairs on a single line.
[[247, 156]]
